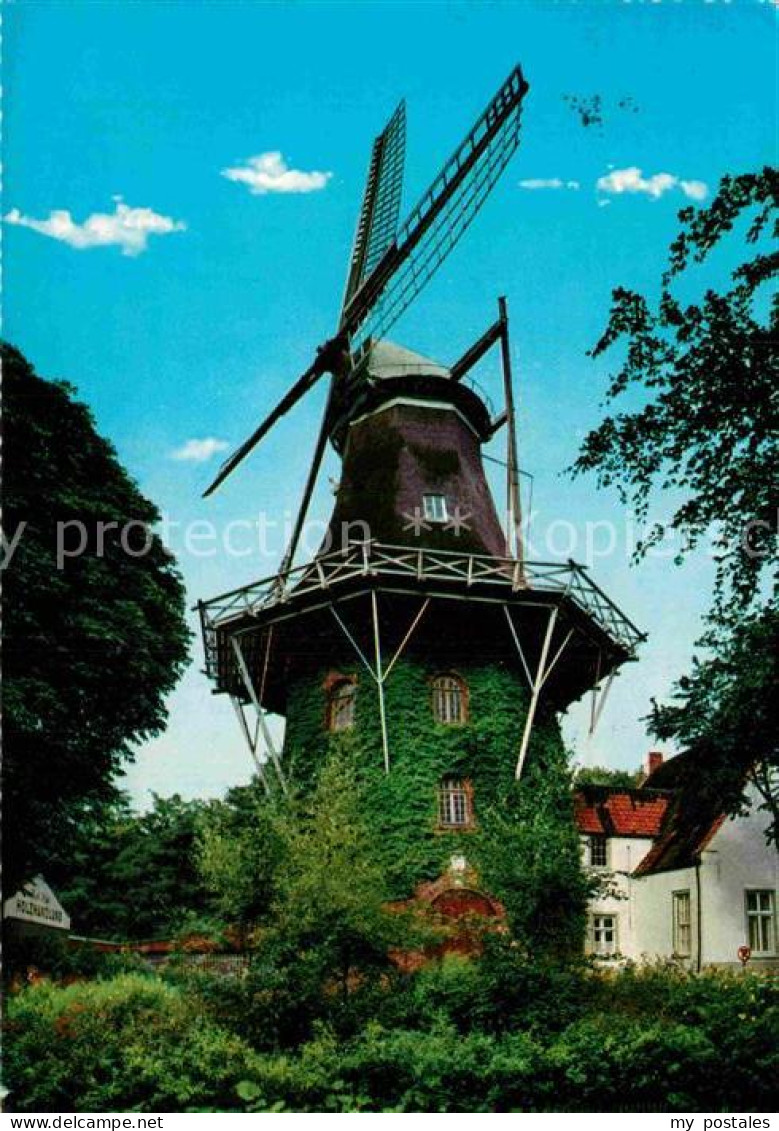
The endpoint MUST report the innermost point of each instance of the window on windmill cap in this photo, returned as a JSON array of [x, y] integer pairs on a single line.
[[435, 508]]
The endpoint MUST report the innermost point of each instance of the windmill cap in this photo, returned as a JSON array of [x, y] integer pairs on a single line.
[[385, 359], [385, 371]]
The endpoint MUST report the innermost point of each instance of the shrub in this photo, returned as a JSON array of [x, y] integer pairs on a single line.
[[130, 1044], [56, 957], [402, 1070], [497, 992], [288, 996], [461, 1035]]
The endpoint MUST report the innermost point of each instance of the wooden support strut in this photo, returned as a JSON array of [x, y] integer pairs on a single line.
[[543, 671], [380, 680], [379, 674], [250, 742], [597, 710], [247, 681], [514, 502]]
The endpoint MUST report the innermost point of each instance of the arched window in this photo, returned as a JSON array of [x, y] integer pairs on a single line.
[[341, 702], [455, 804], [449, 699]]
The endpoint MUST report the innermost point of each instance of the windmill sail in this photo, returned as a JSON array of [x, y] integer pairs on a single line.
[[378, 222], [447, 208], [386, 273]]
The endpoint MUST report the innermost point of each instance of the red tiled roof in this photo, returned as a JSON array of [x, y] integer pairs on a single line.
[[679, 847], [619, 812], [672, 807]]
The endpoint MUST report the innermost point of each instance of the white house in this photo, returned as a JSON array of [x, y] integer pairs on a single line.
[[679, 879]]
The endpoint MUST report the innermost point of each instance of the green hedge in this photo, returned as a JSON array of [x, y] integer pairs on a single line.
[[602, 1063], [493, 1036], [129, 1044]]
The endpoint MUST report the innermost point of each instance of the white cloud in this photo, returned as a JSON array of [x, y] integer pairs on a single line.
[[126, 227], [632, 180], [548, 183], [198, 451], [269, 172], [696, 190]]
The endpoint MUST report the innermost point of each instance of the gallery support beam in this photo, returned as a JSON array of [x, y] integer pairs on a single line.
[[378, 673], [251, 741], [380, 679], [261, 720], [514, 502], [536, 682]]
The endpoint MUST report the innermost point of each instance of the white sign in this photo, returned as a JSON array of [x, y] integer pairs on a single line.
[[37, 903]]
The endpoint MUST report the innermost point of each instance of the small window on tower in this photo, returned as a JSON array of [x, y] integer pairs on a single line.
[[340, 705], [435, 508], [455, 810], [449, 695]]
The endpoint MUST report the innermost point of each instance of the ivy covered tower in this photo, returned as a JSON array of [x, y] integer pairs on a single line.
[[415, 641], [418, 642]]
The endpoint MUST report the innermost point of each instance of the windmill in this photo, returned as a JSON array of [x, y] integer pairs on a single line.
[[389, 267], [418, 615]]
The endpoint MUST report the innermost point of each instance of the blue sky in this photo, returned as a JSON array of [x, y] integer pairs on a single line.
[[192, 332]]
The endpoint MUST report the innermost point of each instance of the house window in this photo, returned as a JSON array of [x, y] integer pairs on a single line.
[[760, 922], [454, 805], [434, 507], [682, 924], [604, 934], [598, 851], [340, 705], [448, 699]]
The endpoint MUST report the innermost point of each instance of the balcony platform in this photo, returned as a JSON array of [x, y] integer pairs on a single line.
[[536, 615]]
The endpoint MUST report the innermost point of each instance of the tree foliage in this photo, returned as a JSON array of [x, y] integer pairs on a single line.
[[331, 892], [530, 858], [93, 642], [604, 775], [709, 427], [708, 431], [238, 852], [134, 876]]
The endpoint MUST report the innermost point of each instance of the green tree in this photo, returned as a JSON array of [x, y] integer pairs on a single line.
[[604, 775], [132, 875], [331, 894], [95, 633], [707, 429], [529, 857], [706, 372], [238, 852]]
